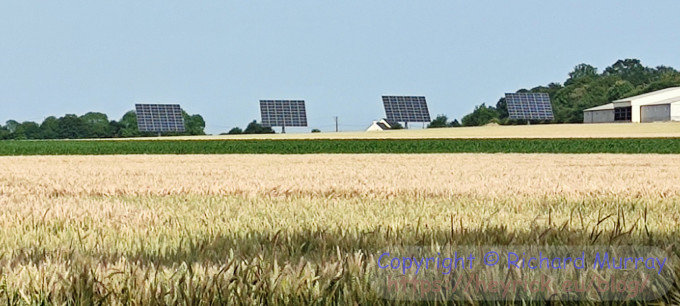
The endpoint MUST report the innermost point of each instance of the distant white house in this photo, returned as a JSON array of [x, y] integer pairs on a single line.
[[381, 125], [660, 105]]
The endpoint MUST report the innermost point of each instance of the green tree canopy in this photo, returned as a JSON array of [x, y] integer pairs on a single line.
[[480, 116], [49, 128], [256, 128], [30, 130], [235, 130], [96, 125], [11, 125], [90, 125], [439, 122], [631, 70], [4, 133], [581, 71], [128, 125], [71, 127], [443, 121], [193, 124]]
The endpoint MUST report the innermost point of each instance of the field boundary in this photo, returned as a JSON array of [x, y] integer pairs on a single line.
[[343, 146]]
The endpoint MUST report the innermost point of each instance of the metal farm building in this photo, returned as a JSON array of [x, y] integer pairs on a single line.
[[660, 105]]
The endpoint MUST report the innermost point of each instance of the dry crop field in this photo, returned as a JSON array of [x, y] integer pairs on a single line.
[[574, 130], [300, 229]]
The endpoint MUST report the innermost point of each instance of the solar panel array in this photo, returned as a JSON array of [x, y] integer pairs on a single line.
[[529, 106], [406, 109], [283, 113], [159, 118]]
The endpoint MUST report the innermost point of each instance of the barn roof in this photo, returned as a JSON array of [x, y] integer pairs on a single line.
[[649, 94], [667, 101], [609, 106]]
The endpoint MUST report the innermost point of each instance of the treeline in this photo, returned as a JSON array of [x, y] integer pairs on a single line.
[[584, 88], [90, 125], [253, 128]]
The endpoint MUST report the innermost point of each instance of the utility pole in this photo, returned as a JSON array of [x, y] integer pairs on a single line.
[[336, 124]]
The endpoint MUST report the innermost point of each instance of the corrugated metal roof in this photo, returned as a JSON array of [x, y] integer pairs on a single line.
[[649, 94], [667, 101], [609, 106]]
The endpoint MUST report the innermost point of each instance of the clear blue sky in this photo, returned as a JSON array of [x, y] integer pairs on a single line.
[[218, 58]]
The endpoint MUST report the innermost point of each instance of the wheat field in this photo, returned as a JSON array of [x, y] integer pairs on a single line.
[[571, 130], [301, 229]]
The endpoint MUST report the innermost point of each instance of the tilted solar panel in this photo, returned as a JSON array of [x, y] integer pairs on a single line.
[[406, 109], [283, 113], [529, 106], [159, 118]]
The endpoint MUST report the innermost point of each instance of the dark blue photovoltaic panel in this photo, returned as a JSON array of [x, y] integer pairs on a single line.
[[159, 118], [406, 109], [529, 106], [283, 113]]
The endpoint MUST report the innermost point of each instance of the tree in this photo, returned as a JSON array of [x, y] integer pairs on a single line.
[[128, 125], [19, 133], [11, 125], [31, 130], [256, 128], [480, 116], [49, 128], [630, 70], [502, 108], [665, 77], [115, 127], [194, 124], [442, 121], [235, 131], [620, 89], [439, 122], [4, 133], [90, 125], [96, 125], [71, 127], [581, 71]]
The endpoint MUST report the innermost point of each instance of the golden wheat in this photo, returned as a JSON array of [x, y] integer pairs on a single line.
[[284, 229], [341, 175]]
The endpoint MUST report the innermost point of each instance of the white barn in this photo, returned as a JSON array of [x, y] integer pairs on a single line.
[[660, 105], [382, 125]]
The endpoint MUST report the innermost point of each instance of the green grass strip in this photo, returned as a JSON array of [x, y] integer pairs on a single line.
[[561, 145]]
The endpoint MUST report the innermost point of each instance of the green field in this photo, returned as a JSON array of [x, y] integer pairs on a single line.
[[547, 145]]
